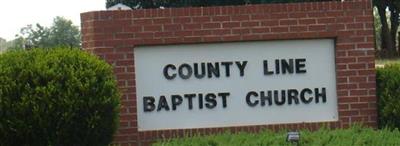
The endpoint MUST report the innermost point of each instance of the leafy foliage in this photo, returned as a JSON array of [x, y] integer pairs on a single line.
[[145, 4], [56, 97], [3, 43], [16, 44], [36, 36], [64, 33], [388, 91], [355, 136], [61, 34], [11, 45]]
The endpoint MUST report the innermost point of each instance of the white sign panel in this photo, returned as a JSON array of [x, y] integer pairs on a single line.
[[235, 84]]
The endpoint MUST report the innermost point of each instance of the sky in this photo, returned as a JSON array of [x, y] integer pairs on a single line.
[[15, 14]]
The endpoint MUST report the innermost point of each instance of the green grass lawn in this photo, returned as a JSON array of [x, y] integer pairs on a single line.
[[355, 136]]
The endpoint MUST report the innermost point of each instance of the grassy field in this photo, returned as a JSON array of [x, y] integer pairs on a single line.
[[355, 136]]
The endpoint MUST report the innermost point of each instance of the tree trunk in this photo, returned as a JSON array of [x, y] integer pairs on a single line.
[[388, 48], [398, 40], [394, 20]]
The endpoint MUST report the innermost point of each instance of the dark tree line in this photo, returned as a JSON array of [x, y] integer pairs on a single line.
[[145, 4]]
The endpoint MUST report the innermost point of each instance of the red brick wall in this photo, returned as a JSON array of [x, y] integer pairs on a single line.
[[113, 35]]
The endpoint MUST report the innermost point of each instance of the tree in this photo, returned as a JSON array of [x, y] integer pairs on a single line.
[[2, 44], [61, 34], [15, 44], [64, 33], [378, 29], [389, 29], [2, 40], [35, 37]]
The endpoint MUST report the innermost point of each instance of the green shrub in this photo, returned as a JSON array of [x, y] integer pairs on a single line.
[[388, 93], [354, 136], [56, 97]]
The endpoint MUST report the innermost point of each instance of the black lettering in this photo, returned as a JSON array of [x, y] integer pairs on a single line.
[[277, 66], [302, 95], [213, 69], [248, 101], [196, 70], [148, 104], [227, 67], [300, 65], [211, 101], [166, 75], [266, 71], [320, 95], [200, 101], [162, 104], [287, 66], [276, 97], [189, 71], [241, 67], [263, 98], [224, 96], [190, 97], [293, 94], [176, 100]]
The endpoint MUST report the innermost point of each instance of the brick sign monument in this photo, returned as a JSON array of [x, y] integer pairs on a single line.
[[243, 68]]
